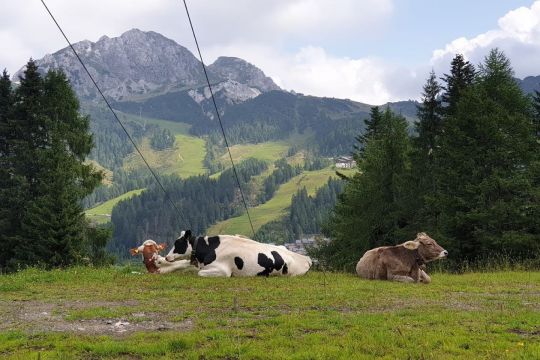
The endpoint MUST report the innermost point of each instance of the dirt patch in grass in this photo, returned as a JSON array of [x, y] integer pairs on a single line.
[[525, 333], [36, 316]]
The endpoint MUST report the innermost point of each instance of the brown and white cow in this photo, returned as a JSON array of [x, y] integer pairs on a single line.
[[156, 263], [404, 262]]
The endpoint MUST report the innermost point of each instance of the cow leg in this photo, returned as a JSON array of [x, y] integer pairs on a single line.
[[215, 271], [167, 267], [401, 278], [423, 277]]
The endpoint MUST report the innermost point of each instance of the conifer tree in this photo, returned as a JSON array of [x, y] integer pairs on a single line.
[[369, 213], [461, 76], [49, 144], [484, 169]]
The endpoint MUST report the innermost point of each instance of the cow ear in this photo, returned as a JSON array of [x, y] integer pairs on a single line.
[[161, 246], [420, 234], [187, 234], [411, 245], [134, 251]]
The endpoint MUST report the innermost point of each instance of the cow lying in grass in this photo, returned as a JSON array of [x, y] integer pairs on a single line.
[[404, 262], [228, 255], [154, 262]]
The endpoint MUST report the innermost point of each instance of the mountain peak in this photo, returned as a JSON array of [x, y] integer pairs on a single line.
[[240, 70], [139, 63]]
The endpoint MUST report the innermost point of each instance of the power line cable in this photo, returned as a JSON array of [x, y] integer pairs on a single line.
[[114, 113], [218, 116]]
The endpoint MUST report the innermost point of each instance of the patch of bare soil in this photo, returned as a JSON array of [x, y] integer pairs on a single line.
[[526, 333], [36, 316]]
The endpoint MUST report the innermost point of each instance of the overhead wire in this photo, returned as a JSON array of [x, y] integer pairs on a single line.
[[115, 115], [219, 118]]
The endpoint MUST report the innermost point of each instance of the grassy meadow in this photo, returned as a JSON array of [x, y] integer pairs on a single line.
[[118, 313], [102, 212], [275, 207]]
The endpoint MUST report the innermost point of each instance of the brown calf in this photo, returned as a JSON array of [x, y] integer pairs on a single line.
[[149, 249], [404, 262]]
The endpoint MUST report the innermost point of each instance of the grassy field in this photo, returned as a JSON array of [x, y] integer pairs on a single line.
[[174, 126], [275, 207], [85, 313], [102, 212], [185, 159]]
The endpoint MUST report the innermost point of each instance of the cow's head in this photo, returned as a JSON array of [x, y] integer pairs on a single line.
[[148, 249], [427, 248], [182, 247]]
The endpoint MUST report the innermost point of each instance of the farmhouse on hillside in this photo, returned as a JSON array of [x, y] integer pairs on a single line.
[[345, 162]]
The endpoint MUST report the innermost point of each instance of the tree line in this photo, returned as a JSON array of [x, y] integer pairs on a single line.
[[201, 200], [305, 216], [470, 177]]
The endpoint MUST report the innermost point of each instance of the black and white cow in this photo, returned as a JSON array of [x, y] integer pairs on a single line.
[[228, 255]]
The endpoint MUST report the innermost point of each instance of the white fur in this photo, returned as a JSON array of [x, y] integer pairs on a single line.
[[248, 250]]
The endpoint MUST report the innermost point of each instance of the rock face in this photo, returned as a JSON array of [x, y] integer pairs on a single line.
[[141, 64], [243, 72]]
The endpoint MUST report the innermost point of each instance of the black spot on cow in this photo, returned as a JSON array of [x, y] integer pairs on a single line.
[[278, 260], [270, 265], [266, 263], [206, 252], [180, 245], [239, 262], [285, 270]]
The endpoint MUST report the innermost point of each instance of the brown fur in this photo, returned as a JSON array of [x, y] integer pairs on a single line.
[[148, 252], [404, 262]]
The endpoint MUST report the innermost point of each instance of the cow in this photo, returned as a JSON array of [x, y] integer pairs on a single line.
[[235, 255], [404, 262], [154, 262]]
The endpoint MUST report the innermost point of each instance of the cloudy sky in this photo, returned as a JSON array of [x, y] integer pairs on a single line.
[[372, 51]]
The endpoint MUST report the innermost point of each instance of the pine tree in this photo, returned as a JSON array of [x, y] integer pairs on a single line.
[[536, 114], [484, 169], [429, 122], [8, 184], [371, 129], [369, 213], [420, 179], [461, 76], [49, 145]]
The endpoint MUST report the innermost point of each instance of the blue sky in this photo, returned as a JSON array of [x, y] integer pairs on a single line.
[[419, 26], [371, 51]]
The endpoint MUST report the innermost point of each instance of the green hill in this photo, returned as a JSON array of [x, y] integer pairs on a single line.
[[102, 213], [274, 208]]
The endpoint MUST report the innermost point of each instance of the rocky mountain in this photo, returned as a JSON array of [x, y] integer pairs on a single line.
[[139, 64], [243, 72], [529, 84]]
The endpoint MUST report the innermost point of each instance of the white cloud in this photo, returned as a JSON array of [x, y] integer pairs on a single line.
[[518, 35], [288, 39], [313, 71]]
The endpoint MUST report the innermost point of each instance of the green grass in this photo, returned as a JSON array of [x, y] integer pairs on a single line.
[[268, 151], [274, 208], [102, 212], [185, 159], [174, 126], [317, 316]]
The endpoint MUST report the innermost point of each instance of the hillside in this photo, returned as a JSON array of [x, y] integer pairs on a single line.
[[275, 207], [111, 313]]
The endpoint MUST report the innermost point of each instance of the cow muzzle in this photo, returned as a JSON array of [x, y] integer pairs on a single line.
[[443, 254]]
